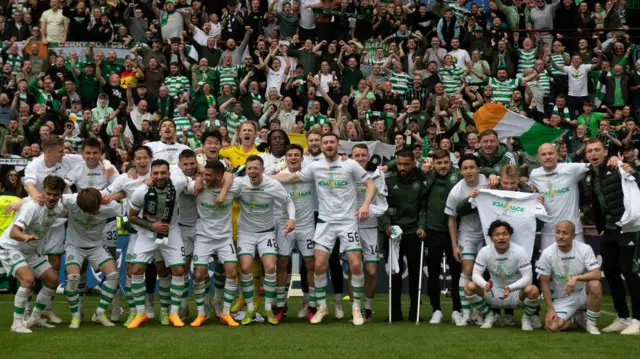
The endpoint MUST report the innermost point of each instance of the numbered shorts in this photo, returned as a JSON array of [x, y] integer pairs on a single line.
[[327, 233], [110, 233], [512, 301], [568, 306], [205, 248], [188, 237], [264, 242], [146, 249], [369, 241], [96, 256], [13, 259], [300, 237], [470, 244], [53, 242]]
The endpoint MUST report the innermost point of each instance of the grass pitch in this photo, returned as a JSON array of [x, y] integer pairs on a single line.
[[295, 338]]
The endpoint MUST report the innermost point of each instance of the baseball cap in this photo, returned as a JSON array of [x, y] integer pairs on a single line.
[[478, 29]]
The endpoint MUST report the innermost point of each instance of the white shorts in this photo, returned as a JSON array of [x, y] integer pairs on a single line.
[[13, 259], [53, 242], [146, 250], [205, 248], [470, 245], [131, 243], [96, 256], [369, 239], [264, 242], [566, 307], [300, 237], [347, 233], [110, 234], [512, 301], [547, 239], [188, 237]]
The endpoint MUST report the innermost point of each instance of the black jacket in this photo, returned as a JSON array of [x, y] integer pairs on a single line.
[[11, 30], [610, 182]]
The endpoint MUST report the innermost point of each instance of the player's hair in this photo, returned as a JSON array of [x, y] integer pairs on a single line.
[[214, 134], [361, 146], [287, 141], [51, 142], [89, 200], [215, 165], [588, 103], [314, 131], [405, 153], [468, 157], [247, 122], [91, 142], [255, 158], [510, 171], [332, 135], [487, 132], [593, 140], [169, 120], [186, 154], [294, 146], [160, 162], [438, 154], [54, 183], [137, 148], [497, 224]]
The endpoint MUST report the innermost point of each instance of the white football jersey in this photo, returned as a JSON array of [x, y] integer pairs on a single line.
[[460, 192], [561, 266], [214, 220], [85, 229], [35, 220], [257, 203], [511, 268]]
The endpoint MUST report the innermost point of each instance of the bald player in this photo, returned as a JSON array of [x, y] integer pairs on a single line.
[[570, 280]]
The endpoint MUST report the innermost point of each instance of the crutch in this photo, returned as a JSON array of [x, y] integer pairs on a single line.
[[420, 282], [389, 263]]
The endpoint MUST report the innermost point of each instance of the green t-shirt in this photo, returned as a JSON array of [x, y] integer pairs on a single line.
[[89, 86], [617, 94], [288, 25], [591, 122]]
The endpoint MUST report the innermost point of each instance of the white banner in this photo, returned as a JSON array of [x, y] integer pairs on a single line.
[[381, 153], [122, 51]]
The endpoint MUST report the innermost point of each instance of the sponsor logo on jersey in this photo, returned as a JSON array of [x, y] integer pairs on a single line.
[[551, 192], [568, 258], [298, 194], [507, 206], [332, 184], [215, 206], [253, 204]]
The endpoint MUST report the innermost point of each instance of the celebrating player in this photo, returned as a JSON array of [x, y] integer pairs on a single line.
[[570, 281], [335, 182], [467, 239], [214, 238], [158, 238], [87, 220], [511, 275], [21, 252], [256, 231]]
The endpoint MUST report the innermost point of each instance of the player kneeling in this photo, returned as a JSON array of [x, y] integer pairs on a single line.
[[214, 237], [570, 281], [87, 220], [511, 275]]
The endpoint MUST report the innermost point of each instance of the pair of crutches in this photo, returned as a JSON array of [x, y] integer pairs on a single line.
[[419, 280]]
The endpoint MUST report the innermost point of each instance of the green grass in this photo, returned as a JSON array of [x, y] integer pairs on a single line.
[[296, 338]]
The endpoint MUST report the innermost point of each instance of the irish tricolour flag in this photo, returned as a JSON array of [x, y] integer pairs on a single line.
[[510, 124]]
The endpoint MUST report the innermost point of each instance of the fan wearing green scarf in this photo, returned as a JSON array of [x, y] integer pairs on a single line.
[[155, 210]]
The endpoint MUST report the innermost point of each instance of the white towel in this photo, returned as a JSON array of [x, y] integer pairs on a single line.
[[396, 236]]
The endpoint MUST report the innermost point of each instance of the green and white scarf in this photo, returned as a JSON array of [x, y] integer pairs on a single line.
[[565, 113], [151, 206]]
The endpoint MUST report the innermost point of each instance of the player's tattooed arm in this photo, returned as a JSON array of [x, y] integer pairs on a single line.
[[155, 227]]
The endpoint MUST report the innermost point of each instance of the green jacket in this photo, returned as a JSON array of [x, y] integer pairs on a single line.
[[512, 14], [501, 157], [438, 189], [309, 60], [407, 202]]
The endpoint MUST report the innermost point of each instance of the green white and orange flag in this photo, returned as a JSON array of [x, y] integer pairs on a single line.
[[510, 124]]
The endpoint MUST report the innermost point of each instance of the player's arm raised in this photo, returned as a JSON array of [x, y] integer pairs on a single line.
[[227, 181], [287, 178]]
